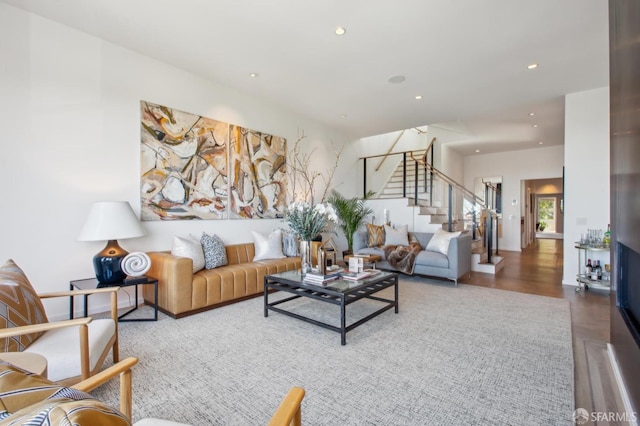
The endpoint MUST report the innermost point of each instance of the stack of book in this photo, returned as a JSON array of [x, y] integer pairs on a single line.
[[316, 278], [355, 276]]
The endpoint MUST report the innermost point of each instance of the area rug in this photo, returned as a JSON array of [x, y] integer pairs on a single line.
[[451, 356]]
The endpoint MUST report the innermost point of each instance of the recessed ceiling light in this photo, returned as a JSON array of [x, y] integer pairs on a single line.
[[253, 75], [343, 115], [418, 97], [531, 114], [540, 143], [532, 66], [396, 79], [340, 31], [477, 150], [535, 125]]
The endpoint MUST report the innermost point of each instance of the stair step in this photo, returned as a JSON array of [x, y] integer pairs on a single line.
[[488, 268], [455, 226]]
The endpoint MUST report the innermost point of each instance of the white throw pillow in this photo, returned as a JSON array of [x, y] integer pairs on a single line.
[[440, 241], [268, 247], [189, 247], [396, 237]]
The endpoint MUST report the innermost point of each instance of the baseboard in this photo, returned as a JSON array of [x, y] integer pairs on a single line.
[[633, 420]]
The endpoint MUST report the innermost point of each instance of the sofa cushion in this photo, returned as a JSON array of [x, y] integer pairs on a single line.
[[414, 240], [268, 247], [189, 247], [62, 348], [396, 237], [440, 241], [432, 258], [19, 306], [376, 235], [215, 254]]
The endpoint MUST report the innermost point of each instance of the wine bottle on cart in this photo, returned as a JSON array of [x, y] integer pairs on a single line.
[[588, 269], [598, 271]]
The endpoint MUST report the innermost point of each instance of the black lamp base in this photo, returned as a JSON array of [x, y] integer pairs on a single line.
[[107, 263]]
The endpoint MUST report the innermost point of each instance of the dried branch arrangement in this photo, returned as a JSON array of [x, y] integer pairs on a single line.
[[304, 179]]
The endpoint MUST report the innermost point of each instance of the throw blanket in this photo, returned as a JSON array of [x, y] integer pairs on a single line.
[[402, 257]]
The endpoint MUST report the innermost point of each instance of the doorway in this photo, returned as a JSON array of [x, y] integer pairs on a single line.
[[542, 212], [546, 212]]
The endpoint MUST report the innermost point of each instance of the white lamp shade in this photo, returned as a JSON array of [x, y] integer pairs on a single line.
[[111, 220]]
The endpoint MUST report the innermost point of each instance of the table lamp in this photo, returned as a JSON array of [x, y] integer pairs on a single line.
[[111, 221]]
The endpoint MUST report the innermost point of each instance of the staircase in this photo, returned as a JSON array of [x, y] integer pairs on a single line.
[[435, 213], [479, 256], [432, 209]]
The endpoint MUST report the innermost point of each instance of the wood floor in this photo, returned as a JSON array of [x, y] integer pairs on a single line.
[[538, 270]]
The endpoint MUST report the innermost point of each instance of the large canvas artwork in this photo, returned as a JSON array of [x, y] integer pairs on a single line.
[[257, 174], [184, 165], [194, 167]]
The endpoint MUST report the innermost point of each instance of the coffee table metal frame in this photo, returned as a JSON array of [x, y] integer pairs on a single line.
[[340, 292]]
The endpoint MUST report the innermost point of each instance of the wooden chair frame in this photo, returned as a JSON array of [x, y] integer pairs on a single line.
[[123, 369], [82, 324], [289, 413]]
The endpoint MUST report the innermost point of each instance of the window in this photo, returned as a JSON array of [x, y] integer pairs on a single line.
[[547, 214]]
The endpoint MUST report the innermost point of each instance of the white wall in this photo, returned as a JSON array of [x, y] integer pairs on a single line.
[[71, 136], [514, 167], [586, 153]]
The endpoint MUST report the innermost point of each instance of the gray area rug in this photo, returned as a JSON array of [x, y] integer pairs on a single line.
[[452, 356]]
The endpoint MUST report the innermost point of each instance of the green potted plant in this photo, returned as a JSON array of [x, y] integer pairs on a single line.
[[351, 212]]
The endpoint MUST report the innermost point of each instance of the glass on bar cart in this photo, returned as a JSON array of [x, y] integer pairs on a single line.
[[594, 237]]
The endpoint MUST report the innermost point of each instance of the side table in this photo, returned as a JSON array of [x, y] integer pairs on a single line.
[[91, 283], [32, 362], [368, 259]]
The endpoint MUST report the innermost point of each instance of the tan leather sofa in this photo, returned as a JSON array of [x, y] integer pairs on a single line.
[[182, 292]]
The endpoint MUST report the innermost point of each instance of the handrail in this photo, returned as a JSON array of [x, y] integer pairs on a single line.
[[446, 178], [384, 157], [389, 154], [424, 157]]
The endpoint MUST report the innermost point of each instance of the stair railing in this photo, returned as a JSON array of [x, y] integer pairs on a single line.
[[426, 176], [384, 157], [451, 186]]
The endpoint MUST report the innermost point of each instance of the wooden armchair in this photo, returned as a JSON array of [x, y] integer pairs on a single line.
[[24, 327], [289, 413], [37, 398]]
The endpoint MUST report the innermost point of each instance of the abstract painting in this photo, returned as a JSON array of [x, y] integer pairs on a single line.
[[184, 165], [257, 174], [194, 167]]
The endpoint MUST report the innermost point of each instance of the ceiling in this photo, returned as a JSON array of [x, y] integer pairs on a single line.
[[466, 58]]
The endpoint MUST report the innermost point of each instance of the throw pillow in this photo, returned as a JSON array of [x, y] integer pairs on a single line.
[[214, 252], [19, 305], [440, 241], [189, 247], [31, 399], [290, 246], [396, 237], [268, 247], [376, 235]]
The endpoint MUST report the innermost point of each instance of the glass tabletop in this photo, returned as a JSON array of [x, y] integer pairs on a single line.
[[341, 285]]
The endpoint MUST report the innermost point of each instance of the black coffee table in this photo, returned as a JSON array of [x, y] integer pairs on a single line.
[[339, 292]]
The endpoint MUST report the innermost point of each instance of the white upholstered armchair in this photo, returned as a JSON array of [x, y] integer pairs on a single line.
[[75, 349]]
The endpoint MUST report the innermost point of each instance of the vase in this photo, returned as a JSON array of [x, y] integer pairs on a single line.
[[305, 256]]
